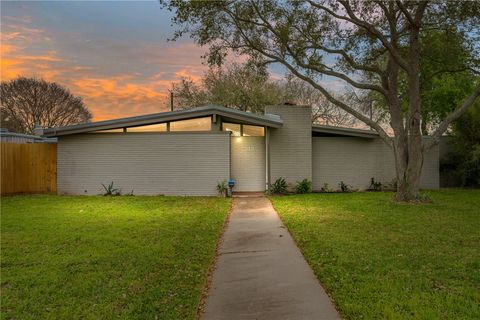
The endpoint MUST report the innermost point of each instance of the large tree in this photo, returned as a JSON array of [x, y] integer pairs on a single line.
[[27, 102], [248, 87], [369, 45], [448, 73], [245, 87]]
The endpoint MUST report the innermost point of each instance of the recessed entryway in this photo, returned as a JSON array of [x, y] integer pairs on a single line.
[[248, 163]]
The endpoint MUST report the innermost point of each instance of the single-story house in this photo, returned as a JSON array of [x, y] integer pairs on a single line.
[[187, 152]]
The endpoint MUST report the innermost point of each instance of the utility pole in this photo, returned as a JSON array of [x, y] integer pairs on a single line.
[[171, 100]]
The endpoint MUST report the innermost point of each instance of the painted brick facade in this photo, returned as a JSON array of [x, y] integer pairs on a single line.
[[147, 163], [291, 145], [355, 161]]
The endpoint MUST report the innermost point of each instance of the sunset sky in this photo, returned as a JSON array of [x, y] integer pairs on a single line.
[[113, 54]]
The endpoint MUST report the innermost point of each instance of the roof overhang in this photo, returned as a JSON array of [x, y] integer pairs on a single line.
[[226, 113], [347, 132]]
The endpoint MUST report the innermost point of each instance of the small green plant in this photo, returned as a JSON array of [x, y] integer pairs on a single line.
[[375, 185], [279, 186], [110, 190], [344, 187], [304, 186], [222, 188], [326, 188]]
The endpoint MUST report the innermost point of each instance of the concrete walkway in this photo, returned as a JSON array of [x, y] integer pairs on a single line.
[[261, 273]]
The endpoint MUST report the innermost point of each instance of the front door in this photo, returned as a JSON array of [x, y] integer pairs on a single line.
[[248, 163]]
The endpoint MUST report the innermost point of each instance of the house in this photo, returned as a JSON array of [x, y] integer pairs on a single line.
[[187, 152]]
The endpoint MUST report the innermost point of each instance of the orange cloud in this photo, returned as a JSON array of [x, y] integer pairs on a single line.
[[117, 97], [30, 52]]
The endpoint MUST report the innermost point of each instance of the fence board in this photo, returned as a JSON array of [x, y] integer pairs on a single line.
[[28, 168]]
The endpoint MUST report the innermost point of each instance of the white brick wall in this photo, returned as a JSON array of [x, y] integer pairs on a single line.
[[248, 163], [291, 145], [356, 160], [147, 163]]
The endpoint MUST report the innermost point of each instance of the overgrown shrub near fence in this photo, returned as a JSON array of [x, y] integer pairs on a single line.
[[28, 168]]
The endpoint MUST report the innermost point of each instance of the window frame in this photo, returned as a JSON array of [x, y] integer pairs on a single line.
[[241, 129]]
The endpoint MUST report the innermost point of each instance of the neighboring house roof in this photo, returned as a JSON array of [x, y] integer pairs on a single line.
[[8, 136], [350, 132], [227, 114]]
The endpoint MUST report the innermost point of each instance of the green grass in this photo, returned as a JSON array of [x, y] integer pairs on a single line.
[[106, 257], [383, 260]]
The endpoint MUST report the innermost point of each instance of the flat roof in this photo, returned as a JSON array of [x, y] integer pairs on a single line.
[[342, 131], [227, 114]]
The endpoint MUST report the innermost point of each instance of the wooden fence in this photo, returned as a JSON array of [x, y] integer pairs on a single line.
[[28, 168]]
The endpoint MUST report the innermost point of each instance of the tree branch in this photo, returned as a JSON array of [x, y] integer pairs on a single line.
[[420, 11], [405, 12], [375, 32], [350, 60], [323, 69], [452, 117]]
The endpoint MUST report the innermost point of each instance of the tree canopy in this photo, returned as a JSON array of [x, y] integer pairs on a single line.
[[463, 159], [27, 102], [250, 88], [243, 87]]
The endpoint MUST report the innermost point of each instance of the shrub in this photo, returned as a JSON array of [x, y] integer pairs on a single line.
[[279, 186], [110, 190], [344, 187], [375, 185], [304, 186], [222, 188], [326, 188]]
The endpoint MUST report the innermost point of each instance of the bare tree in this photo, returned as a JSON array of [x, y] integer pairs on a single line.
[[188, 94], [27, 102], [323, 111], [377, 40], [246, 88]]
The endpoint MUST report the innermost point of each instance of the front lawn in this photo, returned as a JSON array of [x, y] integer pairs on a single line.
[[383, 260], [106, 257]]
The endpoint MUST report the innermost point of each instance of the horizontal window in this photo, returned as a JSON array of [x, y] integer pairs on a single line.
[[245, 130], [110, 130], [253, 131], [234, 128], [199, 124], [159, 127]]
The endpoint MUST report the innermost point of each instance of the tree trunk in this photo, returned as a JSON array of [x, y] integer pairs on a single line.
[[409, 148], [409, 162]]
